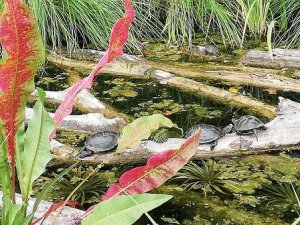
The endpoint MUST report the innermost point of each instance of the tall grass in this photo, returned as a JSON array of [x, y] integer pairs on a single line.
[[74, 23], [83, 23]]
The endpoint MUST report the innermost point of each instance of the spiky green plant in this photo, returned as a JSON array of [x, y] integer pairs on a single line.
[[89, 192], [282, 194], [206, 177]]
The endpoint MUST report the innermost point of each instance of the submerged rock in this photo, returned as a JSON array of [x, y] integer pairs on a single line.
[[205, 50]]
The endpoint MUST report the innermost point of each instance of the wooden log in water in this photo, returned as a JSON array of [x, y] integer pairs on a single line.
[[121, 68], [264, 78], [282, 58], [91, 122], [216, 94], [282, 133], [235, 74]]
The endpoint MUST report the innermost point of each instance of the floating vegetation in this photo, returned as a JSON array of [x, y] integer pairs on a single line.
[[121, 90], [183, 109]]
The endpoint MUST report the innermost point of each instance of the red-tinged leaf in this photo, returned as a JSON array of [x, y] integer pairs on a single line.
[[23, 53], [118, 38], [54, 207], [158, 170]]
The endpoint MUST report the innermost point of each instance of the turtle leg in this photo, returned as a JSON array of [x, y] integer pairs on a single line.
[[255, 133], [84, 153], [214, 144]]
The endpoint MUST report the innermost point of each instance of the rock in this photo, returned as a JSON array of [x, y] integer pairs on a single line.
[[199, 50], [212, 50], [63, 219], [205, 50]]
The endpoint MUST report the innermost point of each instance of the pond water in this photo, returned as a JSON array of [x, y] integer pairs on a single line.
[[243, 179]]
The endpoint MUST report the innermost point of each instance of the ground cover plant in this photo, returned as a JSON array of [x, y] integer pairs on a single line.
[[24, 153]]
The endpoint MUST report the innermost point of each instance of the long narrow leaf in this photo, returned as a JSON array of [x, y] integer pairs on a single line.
[[33, 158], [118, 38], [41, 195], [269, 38], [158, 170]]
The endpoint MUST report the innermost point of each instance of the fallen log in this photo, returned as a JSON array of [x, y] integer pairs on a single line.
[[214, 93], [237, 75], [282, 58], [85, 101], [92, 122], [282, 133], [121, 68]]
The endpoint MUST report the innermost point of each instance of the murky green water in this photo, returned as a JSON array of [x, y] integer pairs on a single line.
[[241, 206]]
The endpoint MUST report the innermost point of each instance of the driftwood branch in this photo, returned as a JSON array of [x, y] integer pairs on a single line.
[[283, 132], [214, 93], [93, 122], [282, 58]]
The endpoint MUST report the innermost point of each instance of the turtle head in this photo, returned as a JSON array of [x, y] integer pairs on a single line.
[[227, 129]]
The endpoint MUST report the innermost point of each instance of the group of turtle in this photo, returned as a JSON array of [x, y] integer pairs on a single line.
[[106, 141], [211, 134]]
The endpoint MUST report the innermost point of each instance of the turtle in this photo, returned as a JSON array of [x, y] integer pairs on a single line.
[[248, 125], [209, 133], [99, 142]]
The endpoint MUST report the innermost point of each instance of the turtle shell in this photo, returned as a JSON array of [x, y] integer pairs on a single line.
[[247, 124], [209, 133], [102, 141]]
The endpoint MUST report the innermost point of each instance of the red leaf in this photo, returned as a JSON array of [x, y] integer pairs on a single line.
[[158, 170], [118, 38], [23, 53]]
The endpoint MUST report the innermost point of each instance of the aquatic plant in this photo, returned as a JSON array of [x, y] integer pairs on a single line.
[[283, 196], [23, 52], [89, 192], [206, 177]]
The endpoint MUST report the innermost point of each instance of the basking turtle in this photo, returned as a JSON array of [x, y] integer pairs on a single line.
[[209, 133], [99, 142], [248, 125]]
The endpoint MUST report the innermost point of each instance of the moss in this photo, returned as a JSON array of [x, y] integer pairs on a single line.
[[215, 211]]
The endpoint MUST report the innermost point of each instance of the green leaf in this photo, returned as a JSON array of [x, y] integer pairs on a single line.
[[269, 38], [40, 196], [124, 210], [12, 214], [5, 174], [141, 129], [297, 221], [32, 159]]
